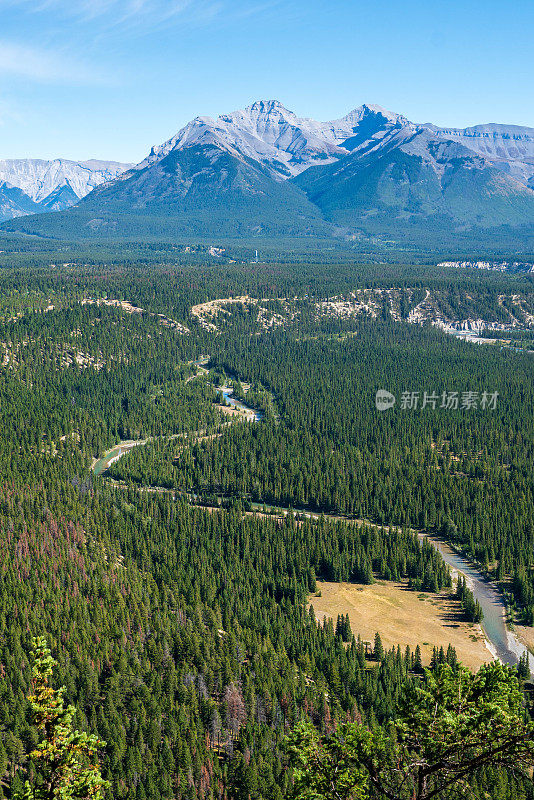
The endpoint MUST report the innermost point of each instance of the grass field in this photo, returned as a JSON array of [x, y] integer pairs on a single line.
[[403, 617]]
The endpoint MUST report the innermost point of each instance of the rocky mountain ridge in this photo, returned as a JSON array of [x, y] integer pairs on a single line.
[[264, 171], [29, 185]]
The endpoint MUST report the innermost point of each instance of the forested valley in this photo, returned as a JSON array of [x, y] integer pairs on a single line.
[[178, 615]]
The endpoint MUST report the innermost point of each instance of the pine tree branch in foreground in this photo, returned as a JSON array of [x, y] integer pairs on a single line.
[[447, 728]]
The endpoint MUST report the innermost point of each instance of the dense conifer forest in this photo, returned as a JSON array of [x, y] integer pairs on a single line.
[[182, 633], [464, 473]]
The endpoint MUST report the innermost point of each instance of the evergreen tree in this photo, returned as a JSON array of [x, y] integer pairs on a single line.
[[65, 759], [448, 728], [378, 649]]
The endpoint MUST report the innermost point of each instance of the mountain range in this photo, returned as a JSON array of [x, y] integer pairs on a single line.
[[31, 186], [263, 171]]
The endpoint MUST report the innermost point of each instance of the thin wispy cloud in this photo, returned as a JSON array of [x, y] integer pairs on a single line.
[[47, 66], [142, 15], [145, 14], [255, 9], [97, 21]]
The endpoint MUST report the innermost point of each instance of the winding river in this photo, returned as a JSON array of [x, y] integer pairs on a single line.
[[123, 447], [227, 393], [102, 464], [502, 643]]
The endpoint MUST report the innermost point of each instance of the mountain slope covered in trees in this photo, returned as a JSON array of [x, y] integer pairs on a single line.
[[265, 172], [183, 635]]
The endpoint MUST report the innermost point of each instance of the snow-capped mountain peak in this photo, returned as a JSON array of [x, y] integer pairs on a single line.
[[267, 143], [370, 109]]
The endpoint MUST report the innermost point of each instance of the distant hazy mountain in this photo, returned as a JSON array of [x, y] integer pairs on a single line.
[[265, 171], [508, 147], [14, 202], [50, 185]]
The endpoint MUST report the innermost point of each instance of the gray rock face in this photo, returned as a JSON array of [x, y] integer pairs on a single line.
[[509, 147], [14, 202], [281, 141], [263, 170], [286, 144], [51, 185]]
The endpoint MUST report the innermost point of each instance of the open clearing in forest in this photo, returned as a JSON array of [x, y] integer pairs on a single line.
[[405, 617]]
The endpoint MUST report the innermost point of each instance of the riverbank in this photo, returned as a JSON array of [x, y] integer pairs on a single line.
[[100, 465], [227, 393], [506, 646], [229, 405], [501, 643]]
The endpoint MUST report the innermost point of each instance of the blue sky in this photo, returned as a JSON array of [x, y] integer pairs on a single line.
[[110, 78]]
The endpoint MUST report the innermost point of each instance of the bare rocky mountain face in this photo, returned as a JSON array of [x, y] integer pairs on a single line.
[[28, 186], [264, 171], [508, 147], [280, 140], [269, 133]]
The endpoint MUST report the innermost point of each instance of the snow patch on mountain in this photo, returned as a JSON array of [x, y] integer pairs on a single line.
[[287, 145], [264, 157]]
